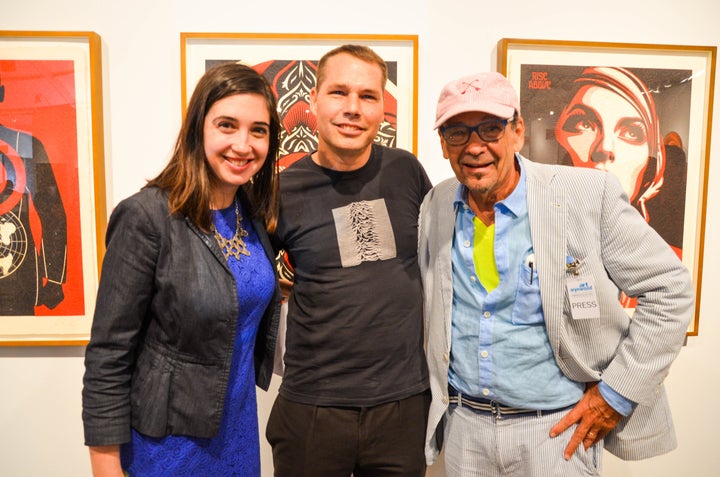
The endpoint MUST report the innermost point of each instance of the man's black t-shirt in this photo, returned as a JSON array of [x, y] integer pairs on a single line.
[[355, 329]]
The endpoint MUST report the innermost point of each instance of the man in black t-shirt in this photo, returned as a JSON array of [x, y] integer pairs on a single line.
[[354, 394]]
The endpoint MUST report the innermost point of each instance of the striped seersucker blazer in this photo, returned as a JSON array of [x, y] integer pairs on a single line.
[[584, 214]]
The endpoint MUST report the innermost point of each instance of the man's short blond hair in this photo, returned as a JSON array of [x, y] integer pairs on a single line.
[[360, 52]]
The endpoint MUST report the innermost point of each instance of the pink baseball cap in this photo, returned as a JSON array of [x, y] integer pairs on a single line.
[[489, 93]]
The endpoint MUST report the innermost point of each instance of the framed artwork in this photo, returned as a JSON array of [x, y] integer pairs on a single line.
[[643, 112], [289, 62], [52, 186]]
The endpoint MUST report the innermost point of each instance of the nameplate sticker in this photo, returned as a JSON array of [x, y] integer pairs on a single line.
[[583, 300]]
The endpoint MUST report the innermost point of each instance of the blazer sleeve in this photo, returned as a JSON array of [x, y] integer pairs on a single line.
[[124, 295], [641, 263]]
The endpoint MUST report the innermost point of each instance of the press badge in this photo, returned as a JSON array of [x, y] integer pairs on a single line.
[[583, 300]]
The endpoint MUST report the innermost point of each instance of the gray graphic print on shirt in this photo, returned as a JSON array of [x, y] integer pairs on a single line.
[[364, 232]]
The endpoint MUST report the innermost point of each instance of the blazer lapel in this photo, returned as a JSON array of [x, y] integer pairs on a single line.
[[547, 214], [446, 232]]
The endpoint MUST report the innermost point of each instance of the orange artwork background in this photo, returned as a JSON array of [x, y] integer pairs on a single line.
[[40, 100]]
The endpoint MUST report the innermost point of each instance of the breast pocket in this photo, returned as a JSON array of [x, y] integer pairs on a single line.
[[527, 309]]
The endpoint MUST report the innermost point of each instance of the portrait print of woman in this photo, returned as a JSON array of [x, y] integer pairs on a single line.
[[611, 124], [609, 118]]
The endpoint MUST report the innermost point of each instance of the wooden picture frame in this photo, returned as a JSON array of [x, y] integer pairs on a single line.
[[569, 89], [52, 186]]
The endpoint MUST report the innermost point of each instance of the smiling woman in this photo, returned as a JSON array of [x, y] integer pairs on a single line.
[[188, 303], [237, 138]]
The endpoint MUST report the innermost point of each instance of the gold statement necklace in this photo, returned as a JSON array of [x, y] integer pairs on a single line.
[[236, 245]]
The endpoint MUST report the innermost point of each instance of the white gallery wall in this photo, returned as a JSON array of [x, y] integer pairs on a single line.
[[40, 426]]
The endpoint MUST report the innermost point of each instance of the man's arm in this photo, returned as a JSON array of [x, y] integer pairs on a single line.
[[642, 265]]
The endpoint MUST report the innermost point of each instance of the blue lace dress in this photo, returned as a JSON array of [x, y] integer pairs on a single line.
[[235, 451]]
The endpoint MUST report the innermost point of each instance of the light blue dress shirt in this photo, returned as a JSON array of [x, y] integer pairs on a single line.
[[500, 346]]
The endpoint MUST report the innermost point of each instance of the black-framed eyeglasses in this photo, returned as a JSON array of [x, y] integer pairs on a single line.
[[489, 131]]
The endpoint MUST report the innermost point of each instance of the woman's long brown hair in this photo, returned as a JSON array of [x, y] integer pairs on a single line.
[[187, 178]]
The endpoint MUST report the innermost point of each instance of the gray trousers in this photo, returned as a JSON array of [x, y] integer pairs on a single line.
[[482, 445]]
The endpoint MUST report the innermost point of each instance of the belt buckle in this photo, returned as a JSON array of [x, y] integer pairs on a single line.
[[495, 409]]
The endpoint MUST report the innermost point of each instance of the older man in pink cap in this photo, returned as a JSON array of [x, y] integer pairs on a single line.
[[522, 265]]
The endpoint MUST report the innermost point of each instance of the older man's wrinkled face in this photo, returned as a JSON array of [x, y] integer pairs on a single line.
[[486, 168]]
